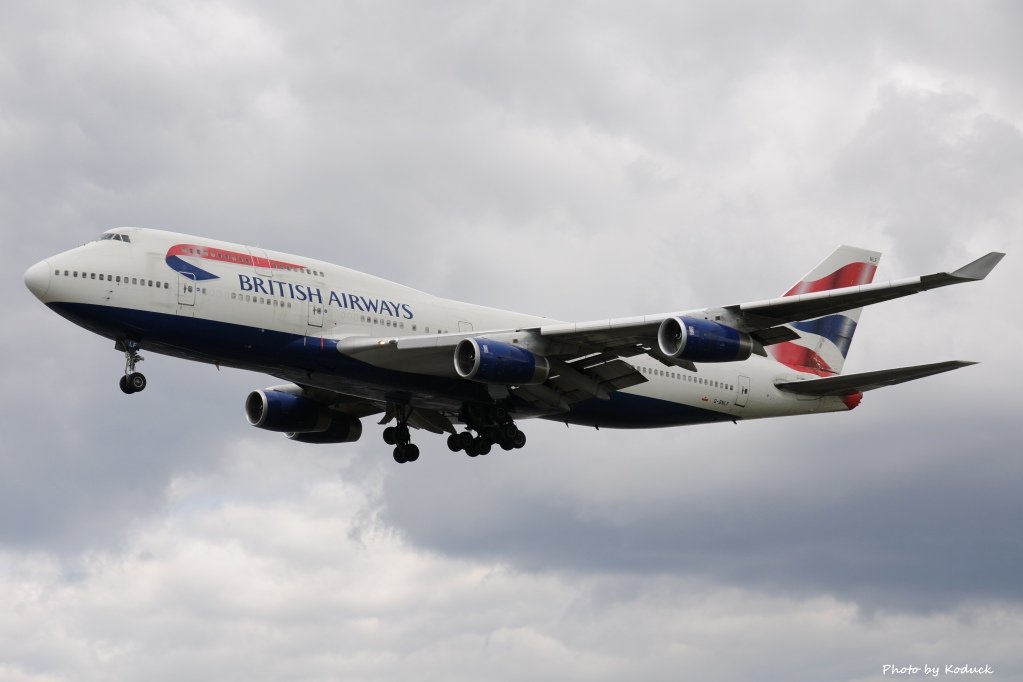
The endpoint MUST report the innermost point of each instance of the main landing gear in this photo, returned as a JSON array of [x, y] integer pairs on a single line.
[[399, 437], [132, 381], [494, 427]]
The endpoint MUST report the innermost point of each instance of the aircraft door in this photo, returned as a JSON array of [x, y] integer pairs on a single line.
[[186, 289], [316, 310], [742, 393]]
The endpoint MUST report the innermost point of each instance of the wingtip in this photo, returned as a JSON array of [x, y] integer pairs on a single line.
[[980, 268]]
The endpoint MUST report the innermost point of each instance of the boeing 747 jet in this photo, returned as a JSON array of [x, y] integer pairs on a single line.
[[351, 346]]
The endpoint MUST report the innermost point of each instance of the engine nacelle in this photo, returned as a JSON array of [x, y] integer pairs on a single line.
[[286, 412], [342, 429], [496, 362], [688, 338]]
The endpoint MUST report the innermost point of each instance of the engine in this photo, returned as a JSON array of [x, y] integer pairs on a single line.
[[302, 419], [495, 362], [688, 338], [342, 429]]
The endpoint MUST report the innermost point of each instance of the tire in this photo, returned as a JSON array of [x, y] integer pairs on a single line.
[[389, 436], [399, 454], [519, 440], [124, 385], [401, 434], [454, 442], [411, 452], [483, 446], [136, 382]]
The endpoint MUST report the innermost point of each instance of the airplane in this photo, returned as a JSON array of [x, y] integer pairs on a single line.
[[352, 346]]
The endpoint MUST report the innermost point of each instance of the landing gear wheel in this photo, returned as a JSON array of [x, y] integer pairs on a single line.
[[519, 440], [482, 446], [136, 381], [454, 442], [132, 381], [399, 454], [389, 435], [411, 452], [401, 433]]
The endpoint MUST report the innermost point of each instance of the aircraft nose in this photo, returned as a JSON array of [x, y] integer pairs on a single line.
[[37, 279]]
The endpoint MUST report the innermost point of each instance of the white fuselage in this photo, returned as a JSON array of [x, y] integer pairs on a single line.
[[221, 302]]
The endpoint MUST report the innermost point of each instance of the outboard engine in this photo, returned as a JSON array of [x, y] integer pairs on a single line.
[[688, 338], [300, 418]]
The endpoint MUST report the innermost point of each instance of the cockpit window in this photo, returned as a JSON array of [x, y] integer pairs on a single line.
[[116, 237]]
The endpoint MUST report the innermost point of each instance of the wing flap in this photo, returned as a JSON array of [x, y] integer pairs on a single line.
[[868, 381]]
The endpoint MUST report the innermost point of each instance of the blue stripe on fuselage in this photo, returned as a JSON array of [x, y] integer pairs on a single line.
[[631, 411], [184, 267], [285, 355]]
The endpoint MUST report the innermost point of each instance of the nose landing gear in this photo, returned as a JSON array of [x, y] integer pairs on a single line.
[[132, 381]]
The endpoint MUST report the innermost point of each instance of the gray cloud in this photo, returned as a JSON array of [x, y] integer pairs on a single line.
[[577, 162]]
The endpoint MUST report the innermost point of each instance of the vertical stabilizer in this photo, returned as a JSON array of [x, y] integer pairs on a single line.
[[824, 342]]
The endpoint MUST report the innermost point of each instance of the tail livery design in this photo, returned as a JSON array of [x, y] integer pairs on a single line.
[[824, 342]]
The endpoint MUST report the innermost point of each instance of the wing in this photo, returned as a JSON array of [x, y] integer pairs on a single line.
[[590, 359], [762, 319]]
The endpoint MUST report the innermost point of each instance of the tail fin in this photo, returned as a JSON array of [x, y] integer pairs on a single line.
[[824, 342]]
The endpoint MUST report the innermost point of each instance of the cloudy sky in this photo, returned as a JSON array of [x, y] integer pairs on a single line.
[[575, 160]]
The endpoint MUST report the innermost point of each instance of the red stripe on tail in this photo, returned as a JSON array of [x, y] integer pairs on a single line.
[[846, 276]]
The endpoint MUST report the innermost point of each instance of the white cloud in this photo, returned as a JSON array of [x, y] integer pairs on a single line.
[[573, 161], [231, 585]]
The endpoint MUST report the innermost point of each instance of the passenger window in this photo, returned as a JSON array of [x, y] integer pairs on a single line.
[[92, 275], [150, 282]]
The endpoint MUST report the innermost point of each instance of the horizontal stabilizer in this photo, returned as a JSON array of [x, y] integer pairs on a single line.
[[868, 381]]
